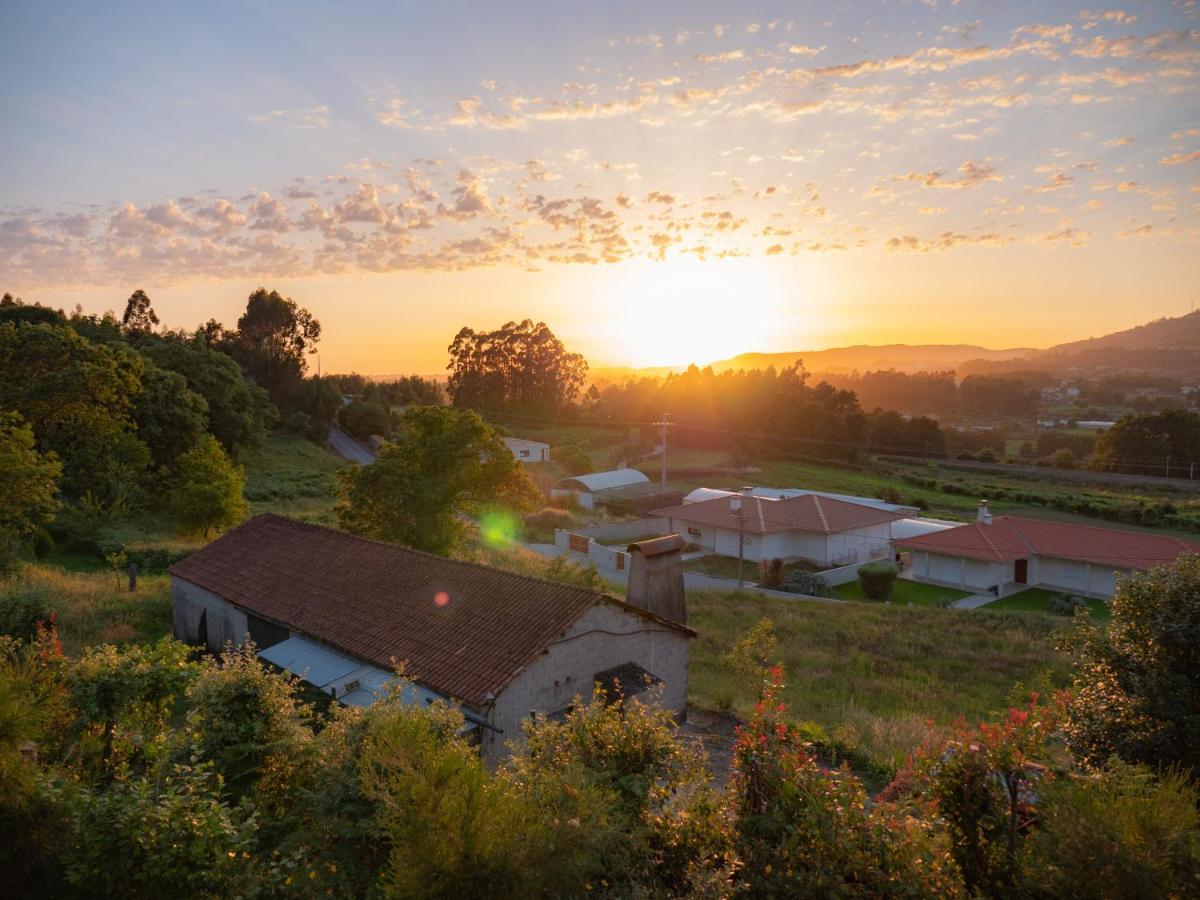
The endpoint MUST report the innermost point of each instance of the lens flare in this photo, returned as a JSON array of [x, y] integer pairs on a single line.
[[498, 528]]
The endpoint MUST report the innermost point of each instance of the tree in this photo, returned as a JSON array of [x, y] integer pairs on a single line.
[[444, 464], [520, 366], [363, 418], [170, 416], [77, 397], [238, 412], [1159, 443], [320, 400], [28, 485], [140, 317], [272, 339], [208, 490], [1137, 686]]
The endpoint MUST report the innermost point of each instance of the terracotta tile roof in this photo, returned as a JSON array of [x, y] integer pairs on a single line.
[[462, 629], [763, 515], [1013, 537]]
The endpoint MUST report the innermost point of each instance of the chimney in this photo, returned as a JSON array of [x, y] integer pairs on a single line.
[[656, 577], [984, 516]]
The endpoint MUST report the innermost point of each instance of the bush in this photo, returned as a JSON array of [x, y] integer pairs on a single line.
[[21, 608], [1137, 688], [808, 583], [298, 424], [1065, 604], [1064, 459], [563, 570], [363, 418], [572, 460], [1120, 833], [543, 522], [772, 574], [877, 579]]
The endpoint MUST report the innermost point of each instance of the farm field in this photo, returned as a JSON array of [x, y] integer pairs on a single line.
[[292, 476], [871, 675]]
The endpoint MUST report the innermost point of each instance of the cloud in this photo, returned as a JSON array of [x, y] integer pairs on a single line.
[[1176, 159], [726, 56], [972, 174]]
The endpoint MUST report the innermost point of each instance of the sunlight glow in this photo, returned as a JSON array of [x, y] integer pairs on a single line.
[[685, 310]]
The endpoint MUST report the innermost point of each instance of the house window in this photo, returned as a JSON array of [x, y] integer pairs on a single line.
[[525, 453], [695, 532]]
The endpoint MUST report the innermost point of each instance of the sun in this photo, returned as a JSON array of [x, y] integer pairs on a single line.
[[682, 311]]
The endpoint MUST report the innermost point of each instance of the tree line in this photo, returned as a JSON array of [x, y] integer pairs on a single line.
[[145, 772]]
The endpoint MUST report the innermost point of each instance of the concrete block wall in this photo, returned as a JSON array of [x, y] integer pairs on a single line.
[[606, 636]]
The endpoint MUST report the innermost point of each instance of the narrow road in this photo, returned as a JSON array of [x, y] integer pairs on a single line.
[[348, 448]]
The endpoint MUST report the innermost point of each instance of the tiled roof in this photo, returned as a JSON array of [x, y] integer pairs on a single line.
[[1013, 537], [763, 515], [462, 629]]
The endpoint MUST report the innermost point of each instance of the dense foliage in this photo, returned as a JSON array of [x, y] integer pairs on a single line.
[[140, 772], [519, 367], [444, 464], [1165, 443], [28, 487], [1138, 684]]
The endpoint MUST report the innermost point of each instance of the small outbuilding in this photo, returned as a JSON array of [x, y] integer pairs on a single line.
[[343, 612], [588, 490], [527, 451]]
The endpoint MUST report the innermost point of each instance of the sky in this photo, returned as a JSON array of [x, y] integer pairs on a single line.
[[660, 183]]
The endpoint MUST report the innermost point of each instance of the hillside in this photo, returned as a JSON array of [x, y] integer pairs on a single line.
[[863, 358]]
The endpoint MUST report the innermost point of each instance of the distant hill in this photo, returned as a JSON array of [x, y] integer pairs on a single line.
[[1168, 345], [866, 358], [1164, 345]]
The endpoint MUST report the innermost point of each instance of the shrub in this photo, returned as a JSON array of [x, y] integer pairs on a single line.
[[363, 418], [1137, 688], [564, 570], [877, 579], [809, 583], [572, 460], [1065, 604], [543, 522], [1118, 833], [1064, 459], [22, 606], [298, 424]]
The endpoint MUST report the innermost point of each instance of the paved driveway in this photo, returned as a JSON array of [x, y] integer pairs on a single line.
[[348, 448]]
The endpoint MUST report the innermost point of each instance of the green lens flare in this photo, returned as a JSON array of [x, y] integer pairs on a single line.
[[499, 528]]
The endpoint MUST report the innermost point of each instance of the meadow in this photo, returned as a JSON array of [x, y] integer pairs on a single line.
[[876, 679]]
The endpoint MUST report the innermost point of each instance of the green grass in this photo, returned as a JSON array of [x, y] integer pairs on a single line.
[[905, 592], [293, 477], [871, 675], [1035, 600], [93, 608]]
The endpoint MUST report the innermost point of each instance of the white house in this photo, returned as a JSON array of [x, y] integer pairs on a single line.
[[528, 451], [826, 531], [1006, 554], [701, 494], [589, 489], [342, 612]]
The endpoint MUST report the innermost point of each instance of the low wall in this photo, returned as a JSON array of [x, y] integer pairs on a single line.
[[846, 574], [623, 532], [581, 544]]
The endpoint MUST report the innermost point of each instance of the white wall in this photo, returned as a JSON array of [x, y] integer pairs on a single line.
[[1075, 577], [224, 621], [527, 451], [604, 637]]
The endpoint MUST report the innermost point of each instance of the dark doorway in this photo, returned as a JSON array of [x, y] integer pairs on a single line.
[[1021, 571], [202, 630]]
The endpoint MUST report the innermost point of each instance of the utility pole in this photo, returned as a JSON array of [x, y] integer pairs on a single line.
[[664, 424], [735, 504]]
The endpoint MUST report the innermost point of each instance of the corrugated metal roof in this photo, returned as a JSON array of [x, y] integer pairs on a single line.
[[915, 527], [603, 481], [315, 664]]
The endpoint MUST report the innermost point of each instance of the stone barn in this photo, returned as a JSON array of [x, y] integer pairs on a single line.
[[344, 612]]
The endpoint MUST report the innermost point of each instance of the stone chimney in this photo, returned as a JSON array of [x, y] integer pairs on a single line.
[[656, 577], [984, 516]]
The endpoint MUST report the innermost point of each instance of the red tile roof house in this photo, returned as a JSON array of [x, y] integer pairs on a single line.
[[826, 531], [343, 611], [1006, 554]]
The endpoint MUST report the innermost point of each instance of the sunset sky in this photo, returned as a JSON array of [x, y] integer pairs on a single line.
[[659, 182]]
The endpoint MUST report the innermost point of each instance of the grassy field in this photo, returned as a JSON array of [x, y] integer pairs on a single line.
[[293, 477], [905, 593], [871, 675], [93, 608]]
